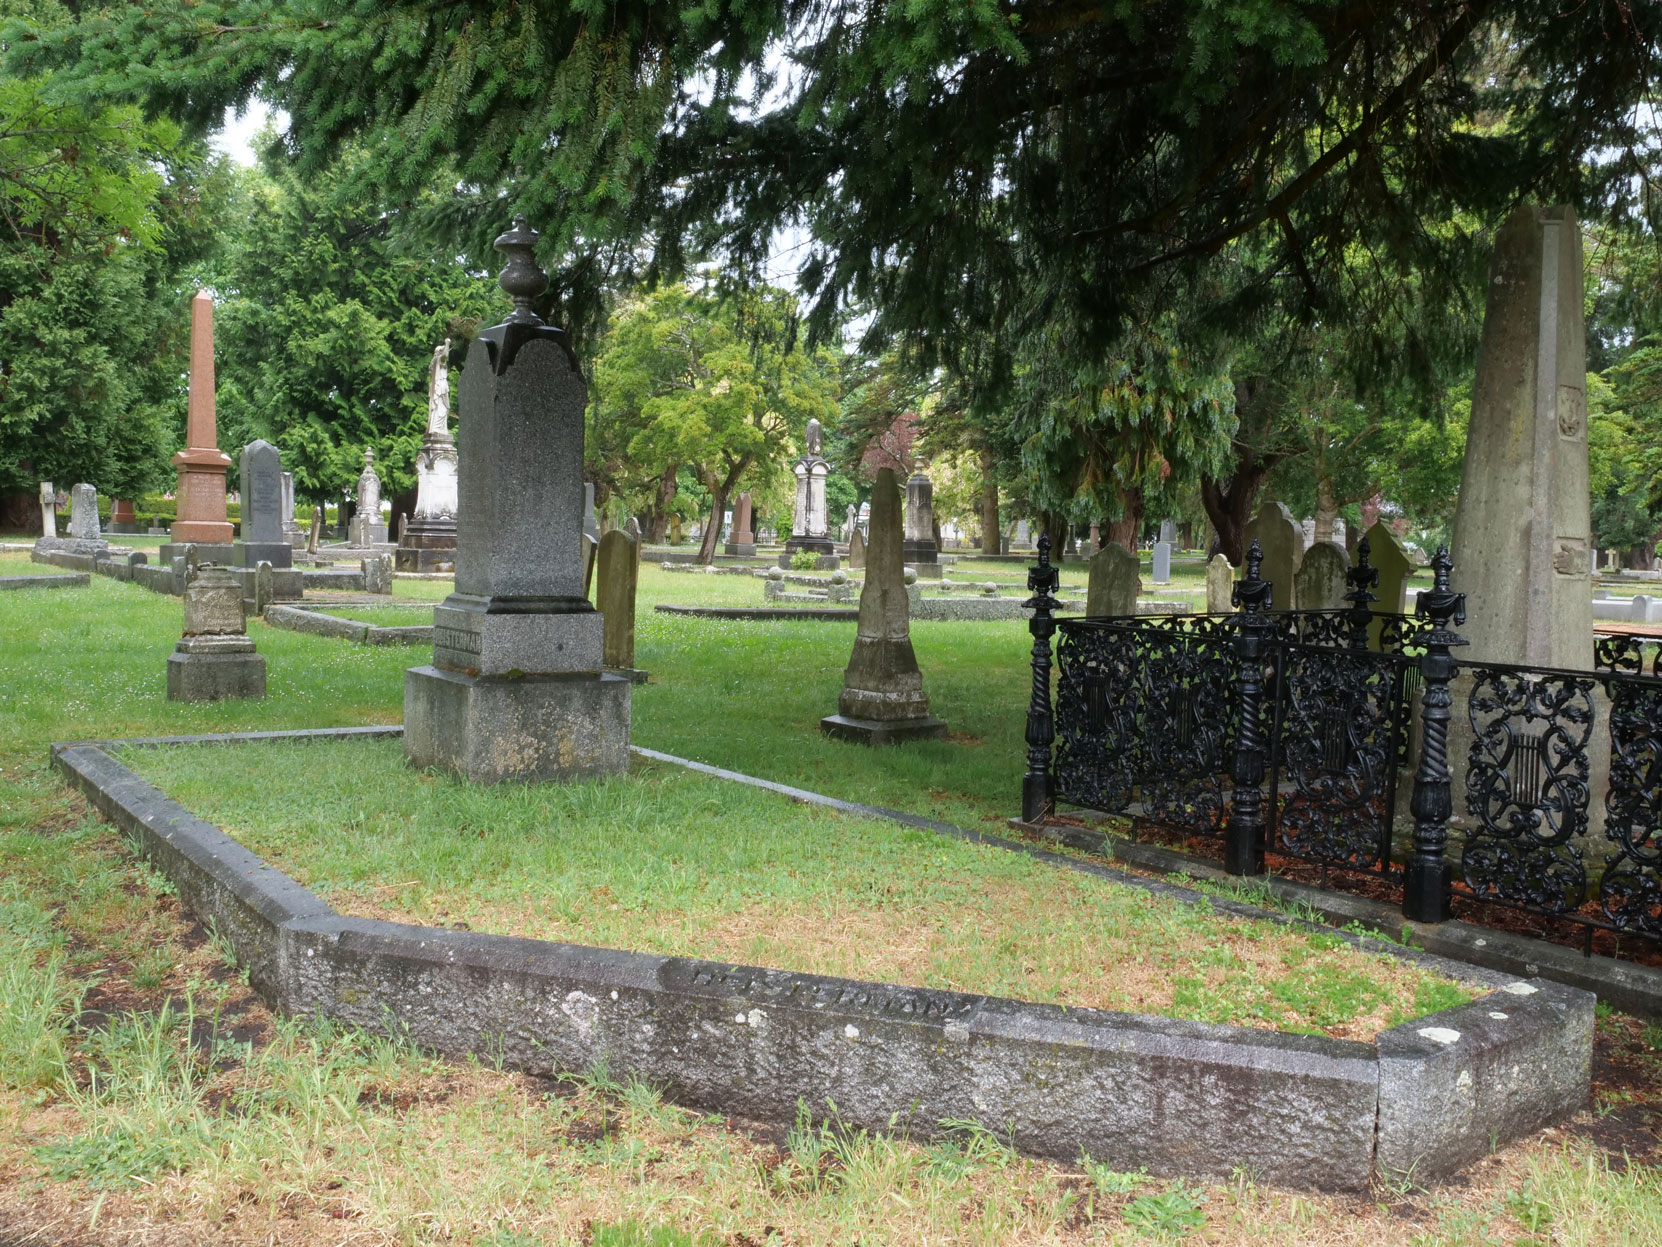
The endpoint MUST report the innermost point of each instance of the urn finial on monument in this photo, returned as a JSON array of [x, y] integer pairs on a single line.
[[516, 688]]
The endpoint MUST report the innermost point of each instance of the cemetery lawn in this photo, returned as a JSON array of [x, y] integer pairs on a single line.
[[669, 861]]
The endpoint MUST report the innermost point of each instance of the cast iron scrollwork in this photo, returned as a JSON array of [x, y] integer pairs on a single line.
[[1527, 785], [1630, 889]]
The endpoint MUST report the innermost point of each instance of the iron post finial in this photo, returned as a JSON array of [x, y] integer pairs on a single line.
[[521, 278], [1252, 592], [1362, 578], [1441, 604]]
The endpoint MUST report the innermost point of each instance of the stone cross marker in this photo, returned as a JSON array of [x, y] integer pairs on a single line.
[[83, 514], [201, 465], [427, 541], [883, 701], [1220, 586], [1283, 545], [48, 510], [1112, 582], [263, 539], [515, 689], [1521, 529], [1160, 570], [1320, 580], [619, 573]]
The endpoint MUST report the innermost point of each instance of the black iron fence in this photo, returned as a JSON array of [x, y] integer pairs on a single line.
[[1355, 740]]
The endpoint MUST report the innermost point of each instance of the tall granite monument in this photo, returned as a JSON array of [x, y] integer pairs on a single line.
[[919, 548], [201, 465], [263, 539], [1521, 528], [516, 688], [427, 542], [742, 539], [810, 525], [883, 702]]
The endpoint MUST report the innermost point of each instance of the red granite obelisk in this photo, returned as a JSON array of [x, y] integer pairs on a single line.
[[201, 466]]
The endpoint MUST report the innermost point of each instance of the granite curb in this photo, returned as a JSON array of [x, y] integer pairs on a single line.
[[1181, 1098], [70, 580]]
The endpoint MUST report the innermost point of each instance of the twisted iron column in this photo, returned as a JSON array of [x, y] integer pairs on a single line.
[[1361, 578], [1037, 795], [1427, 883], [1243, 850]]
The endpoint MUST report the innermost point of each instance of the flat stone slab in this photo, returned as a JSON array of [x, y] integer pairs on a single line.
[[321, 623], [69, 580], [1179, 1098], [878, 732]]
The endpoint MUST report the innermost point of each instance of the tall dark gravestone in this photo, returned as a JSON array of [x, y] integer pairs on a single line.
[[263, 538], [516, 688]]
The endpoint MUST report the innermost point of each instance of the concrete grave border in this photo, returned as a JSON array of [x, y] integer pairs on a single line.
[[319, 622], [68, 580], [1181, 1098]]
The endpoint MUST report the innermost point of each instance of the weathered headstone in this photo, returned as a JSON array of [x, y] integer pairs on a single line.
[[83, 514], [367, 526], [1282, 543], [1521, 528], [263, 539], [48, 510], [1112, 582], [857, 549], [1160, 569], [377, 570], [919, 547], [810, 526], [292, 532], [263, 587], [1220, 586], [1387, 555], [619, 560], [1320, 580], [743, 540], [516, 689], [883, 701], [1168, 532], [215, 658], [201, 465], [851, 520]]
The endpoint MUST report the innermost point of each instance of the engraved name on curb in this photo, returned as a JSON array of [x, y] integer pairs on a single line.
[[820, 995]]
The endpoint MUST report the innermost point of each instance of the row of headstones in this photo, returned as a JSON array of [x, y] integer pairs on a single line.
[[1315, 574]]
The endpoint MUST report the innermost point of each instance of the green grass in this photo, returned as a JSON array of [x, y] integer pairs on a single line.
[[669, 861]]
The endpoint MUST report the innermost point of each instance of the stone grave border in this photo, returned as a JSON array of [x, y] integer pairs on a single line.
[[1181, 1098], [318, 622], [68, 580]]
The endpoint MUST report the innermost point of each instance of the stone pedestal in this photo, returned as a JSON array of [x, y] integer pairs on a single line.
[[918, 548], [123, 519], [516, 688], [215, 658], [427, 543], [1521, 529]]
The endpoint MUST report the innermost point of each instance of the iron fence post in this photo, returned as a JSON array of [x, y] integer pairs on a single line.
[[1428, 881], [1361, 578], [1244, 836], [1038, 797]]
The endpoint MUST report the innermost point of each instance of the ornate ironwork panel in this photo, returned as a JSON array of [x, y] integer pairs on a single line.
[[1622, 654], [1340, 728], [1630, 888], [1098, 733], [1527, 784]]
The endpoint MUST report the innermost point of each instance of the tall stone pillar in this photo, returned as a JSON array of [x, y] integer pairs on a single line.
[[201, 465], [1521, 530], [48, 511], [516, 689]]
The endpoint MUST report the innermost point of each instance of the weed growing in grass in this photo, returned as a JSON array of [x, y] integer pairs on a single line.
[[633, 1234], [37, 1005], [1109, 1181], [1172, 1213]]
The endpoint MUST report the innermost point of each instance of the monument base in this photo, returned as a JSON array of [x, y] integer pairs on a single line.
[[220, 552], [553, 727], [250, 554], [215, 677], [633, 674], [879, 732], [822, 546], [127, 528], [745, 549], [202, 532], [427, 545], [925, 571]]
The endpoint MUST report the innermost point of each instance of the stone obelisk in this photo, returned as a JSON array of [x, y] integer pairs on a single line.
[[1522, 529], [201, 465], [516, 688]]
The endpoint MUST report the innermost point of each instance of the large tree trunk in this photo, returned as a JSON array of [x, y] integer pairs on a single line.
[[990, 542], [657, 515], [20, 512], [1643, 556], [1229, 500], [1125, 530], [712, 528]]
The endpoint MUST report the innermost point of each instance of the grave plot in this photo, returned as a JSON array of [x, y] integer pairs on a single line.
[[666, 861]]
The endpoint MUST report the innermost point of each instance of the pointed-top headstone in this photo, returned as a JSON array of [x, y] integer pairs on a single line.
[[883, 701], [1220, 584], [263, 538], [1281, 541]]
